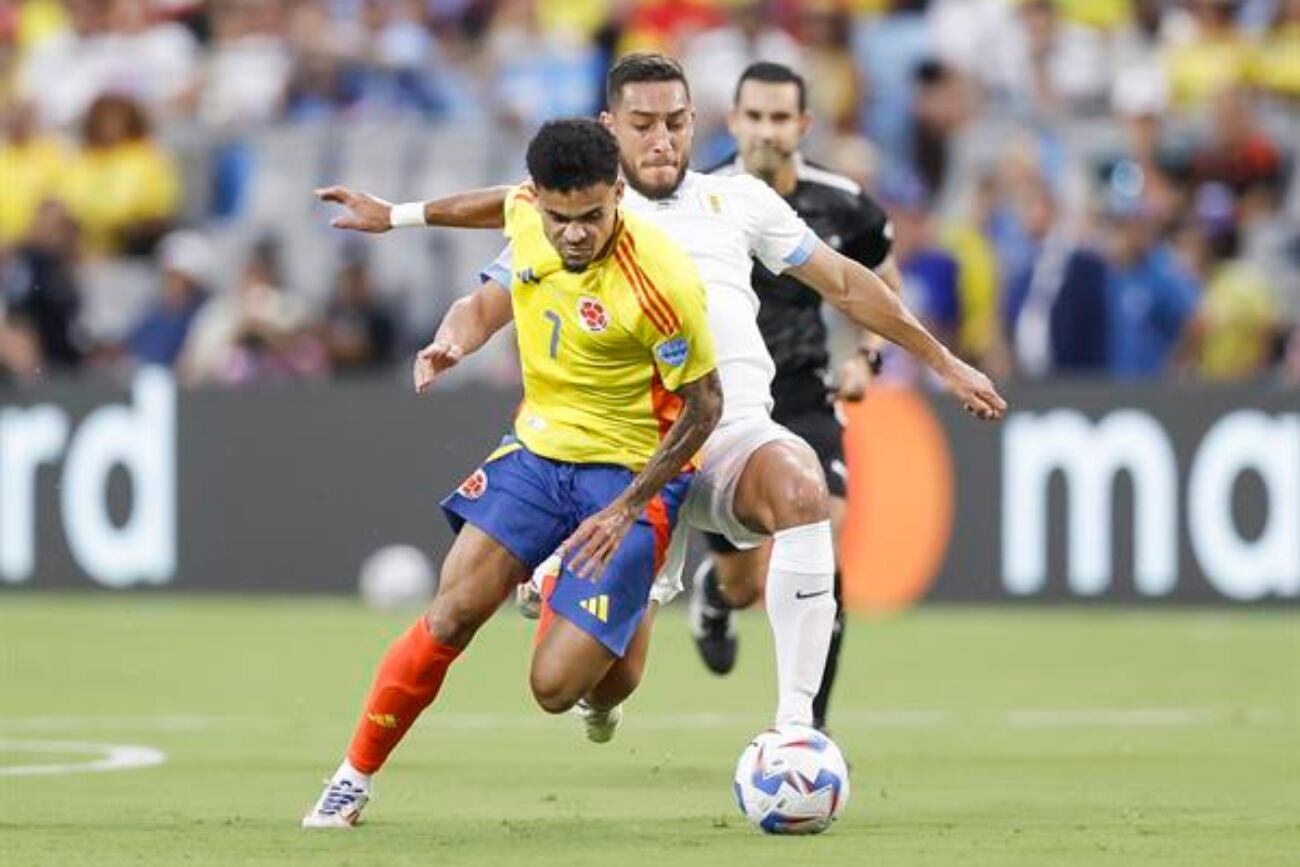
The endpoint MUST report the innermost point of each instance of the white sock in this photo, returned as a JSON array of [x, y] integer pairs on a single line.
[[801, 606], [352, 775]]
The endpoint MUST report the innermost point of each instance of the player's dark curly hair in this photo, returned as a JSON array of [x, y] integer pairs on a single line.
[[572, 154], [639, 67]]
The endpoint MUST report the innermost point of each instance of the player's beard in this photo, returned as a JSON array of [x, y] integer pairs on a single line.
[[659, 191], [766, 161]]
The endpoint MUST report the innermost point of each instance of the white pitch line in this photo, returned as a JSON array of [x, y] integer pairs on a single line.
[[686, 721], [1112, 717], [158, 723], [112, 757]]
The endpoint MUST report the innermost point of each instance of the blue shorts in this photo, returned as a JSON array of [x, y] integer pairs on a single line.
[[530, 504]]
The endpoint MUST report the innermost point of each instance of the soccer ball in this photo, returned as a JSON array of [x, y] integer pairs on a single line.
[[792, 780], [395, 578]]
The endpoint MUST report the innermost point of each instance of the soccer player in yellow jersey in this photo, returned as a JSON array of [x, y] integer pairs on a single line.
[[620, 391]]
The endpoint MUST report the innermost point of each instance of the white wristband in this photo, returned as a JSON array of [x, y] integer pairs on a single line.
[[407, 215]]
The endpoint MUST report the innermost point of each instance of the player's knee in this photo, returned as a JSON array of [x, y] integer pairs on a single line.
[[552, 693], [736, 584], [453, 619], [801, 498]]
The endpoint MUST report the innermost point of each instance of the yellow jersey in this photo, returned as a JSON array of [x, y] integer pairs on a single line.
[[603, 350]]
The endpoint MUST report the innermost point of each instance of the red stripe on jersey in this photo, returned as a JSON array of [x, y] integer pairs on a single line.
[[646, 307], [656, 297]]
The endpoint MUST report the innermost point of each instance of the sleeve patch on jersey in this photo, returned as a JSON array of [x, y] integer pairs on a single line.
[[673, 352], [803, 252]]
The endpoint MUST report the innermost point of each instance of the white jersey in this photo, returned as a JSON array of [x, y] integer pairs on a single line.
[[723, 222]]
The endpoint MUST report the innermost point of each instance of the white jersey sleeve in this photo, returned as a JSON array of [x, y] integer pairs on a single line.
[[778, 237], [500, 268]]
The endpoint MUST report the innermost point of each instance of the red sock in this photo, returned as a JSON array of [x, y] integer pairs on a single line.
[[409, 677]]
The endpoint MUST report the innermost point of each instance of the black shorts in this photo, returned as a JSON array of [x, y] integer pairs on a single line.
[[821, 430]]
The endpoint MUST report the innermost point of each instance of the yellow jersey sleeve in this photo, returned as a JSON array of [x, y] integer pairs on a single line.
[[521, 209]]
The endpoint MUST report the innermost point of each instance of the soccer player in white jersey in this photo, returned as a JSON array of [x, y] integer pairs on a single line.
[[756, 480]]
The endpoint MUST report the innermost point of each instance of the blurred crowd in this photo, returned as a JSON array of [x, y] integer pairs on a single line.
[[1101, 188]]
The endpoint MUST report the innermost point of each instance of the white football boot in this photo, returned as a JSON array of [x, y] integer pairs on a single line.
[[528, 596], [339, 806], [600, 724], [529, 600]]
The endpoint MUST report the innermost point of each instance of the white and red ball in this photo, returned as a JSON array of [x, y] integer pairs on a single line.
[[792, 780]]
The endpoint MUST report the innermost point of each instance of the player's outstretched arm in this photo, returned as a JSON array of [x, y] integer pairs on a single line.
[[475, 209], [856, 372], [598, 537], [863, 297], [470, 322]]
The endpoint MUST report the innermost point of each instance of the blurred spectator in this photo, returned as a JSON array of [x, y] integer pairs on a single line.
[[978, 283], [667, 24], [930, 273], [1205, 54], [110, 46], [834, 85], [1276, 65], [1051, 65], [1055, 303], [1141, 83], [1270, 241], [34, 163], [247, 69], [973, 36], [539, 75], [66, 71], [257, 333], [1236, 328], [358, 333], [34, 21], [187, 263], [122, 187], [1150, 294], [400, 63], [151, 60], [939, 112], [318, 85], [888, 50], [38, 286], [1238, 153], [715, 58]]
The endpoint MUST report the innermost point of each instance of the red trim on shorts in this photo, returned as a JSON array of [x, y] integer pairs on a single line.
[[657, 512]]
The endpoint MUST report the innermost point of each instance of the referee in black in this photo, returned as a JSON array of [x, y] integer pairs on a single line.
[[769, 120]]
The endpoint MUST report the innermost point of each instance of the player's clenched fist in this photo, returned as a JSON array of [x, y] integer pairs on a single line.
[[365, 213], [432, 360]]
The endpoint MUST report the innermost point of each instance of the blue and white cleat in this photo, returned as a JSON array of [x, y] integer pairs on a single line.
[[340, 806]]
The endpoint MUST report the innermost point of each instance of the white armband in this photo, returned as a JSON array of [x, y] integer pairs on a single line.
[[407, 215]]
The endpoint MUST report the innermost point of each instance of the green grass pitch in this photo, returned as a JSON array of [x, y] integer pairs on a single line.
[[978, 736]]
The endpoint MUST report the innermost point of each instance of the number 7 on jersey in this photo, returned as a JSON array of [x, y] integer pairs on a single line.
[[555, 331]]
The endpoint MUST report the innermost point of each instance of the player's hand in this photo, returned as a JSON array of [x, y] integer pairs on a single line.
[[975, 391], [365, 213], [432, 360], [854, 377], [593, 544]]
